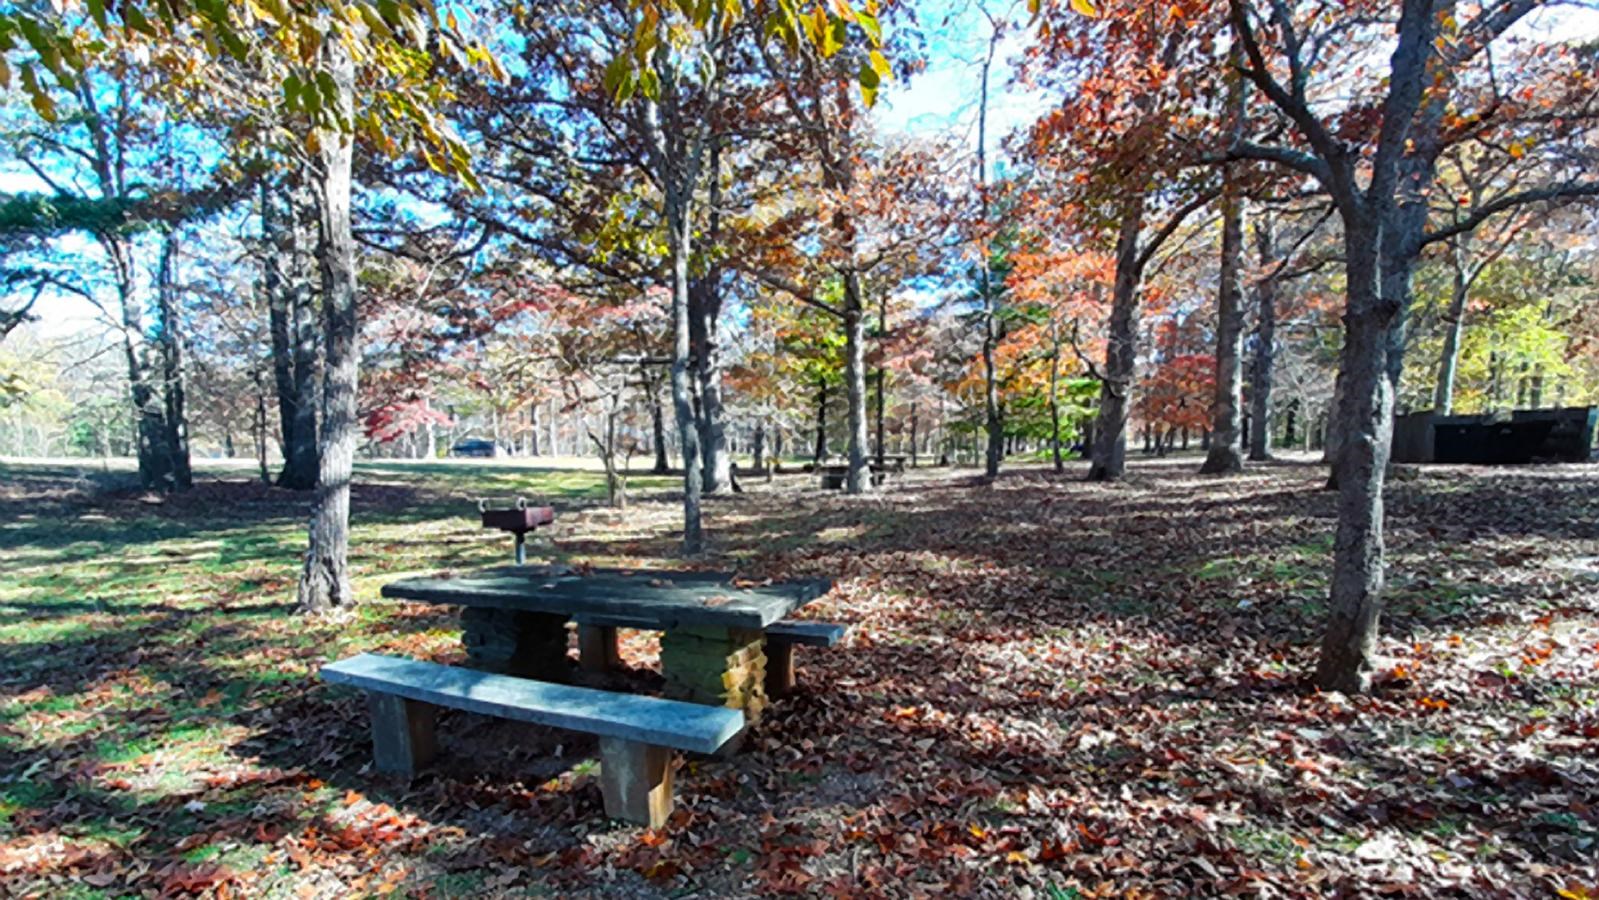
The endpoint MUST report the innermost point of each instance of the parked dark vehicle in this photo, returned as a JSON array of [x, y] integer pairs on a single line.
[[475, 447]]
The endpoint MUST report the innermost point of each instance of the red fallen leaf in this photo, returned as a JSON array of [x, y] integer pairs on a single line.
[[1052, 850], [195, 879]]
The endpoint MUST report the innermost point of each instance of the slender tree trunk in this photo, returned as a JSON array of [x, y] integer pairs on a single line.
[[658, 429], [176, 416], [1366, 423], [760, 446], [858, 480], [915, 408], [325, 583], [1260, 387], [1226, 407], [1121, 353], [821, 423], [1443, 397], [1054, 395], [882, 373]]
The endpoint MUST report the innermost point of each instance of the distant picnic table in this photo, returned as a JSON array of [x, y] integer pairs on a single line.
[[713, 630]]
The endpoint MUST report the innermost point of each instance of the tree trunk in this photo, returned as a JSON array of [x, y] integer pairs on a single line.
[[1366, 423], [1121, 354], [680, 232], [858, 480], [1224, 457], [760, 446], [1265, 345], [325, 583], [176, 443], [820, 454], [882, 373], [914, 411], [1443, 397], [293, 324], [705, 308], [658, 429]]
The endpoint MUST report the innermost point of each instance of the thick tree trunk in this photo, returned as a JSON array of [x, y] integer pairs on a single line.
[[711, 417], [1121, 354], [1260, 386], [680, 233], [1366, 423], [293, 321], [325, 582], [149, 414], [176, 443], [859, 479], [1225, 456], [760, 447]]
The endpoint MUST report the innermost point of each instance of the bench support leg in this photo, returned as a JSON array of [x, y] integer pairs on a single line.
[[512, 642], [779, 668], [597, 649], [402, 733], [636, 780]]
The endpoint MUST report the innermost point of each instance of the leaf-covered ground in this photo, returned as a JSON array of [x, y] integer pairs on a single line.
[[1052, 689]]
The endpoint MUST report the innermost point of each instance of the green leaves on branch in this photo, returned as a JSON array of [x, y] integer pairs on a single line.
[[793, 24], [392, 40]]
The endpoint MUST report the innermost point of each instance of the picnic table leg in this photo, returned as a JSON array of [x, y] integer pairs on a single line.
[[717, 667], [513, 642], [636, 781], [402, 733], [779, 669], [597, 649]]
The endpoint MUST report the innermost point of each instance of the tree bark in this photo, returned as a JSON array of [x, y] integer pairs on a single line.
[[1366, 423], [858, 480], [1054, 395], [176, 442], [1443, 397], [1260, 386], [1121, 353], [1225, 456], [325, 582], [820, 453]]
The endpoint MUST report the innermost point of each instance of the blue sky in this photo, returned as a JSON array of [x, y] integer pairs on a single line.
[[941, 100]]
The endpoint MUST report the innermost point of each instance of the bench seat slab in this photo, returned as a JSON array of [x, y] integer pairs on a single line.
[[668, 723]]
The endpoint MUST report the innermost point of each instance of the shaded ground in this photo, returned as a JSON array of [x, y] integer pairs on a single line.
[[1052, 688]]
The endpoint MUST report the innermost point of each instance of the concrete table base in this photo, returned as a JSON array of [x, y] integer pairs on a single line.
[[514, 642], [717, 667], [780, 678], [597, 648], [636, 780]]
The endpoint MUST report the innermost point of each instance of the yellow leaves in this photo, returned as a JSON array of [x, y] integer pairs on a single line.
[[1085, 8]]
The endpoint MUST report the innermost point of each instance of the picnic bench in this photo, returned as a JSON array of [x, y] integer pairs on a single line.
[[637, 734], [835, 477], [714, 632]]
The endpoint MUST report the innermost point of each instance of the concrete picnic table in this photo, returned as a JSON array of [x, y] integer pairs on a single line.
[[513, 620]]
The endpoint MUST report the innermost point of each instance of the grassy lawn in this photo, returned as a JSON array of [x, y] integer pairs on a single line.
[[1051, 686]]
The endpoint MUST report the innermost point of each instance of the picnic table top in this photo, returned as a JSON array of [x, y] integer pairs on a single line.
[[668, 599]]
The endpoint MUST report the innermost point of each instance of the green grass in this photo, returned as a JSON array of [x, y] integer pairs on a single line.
[[183, 610]]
